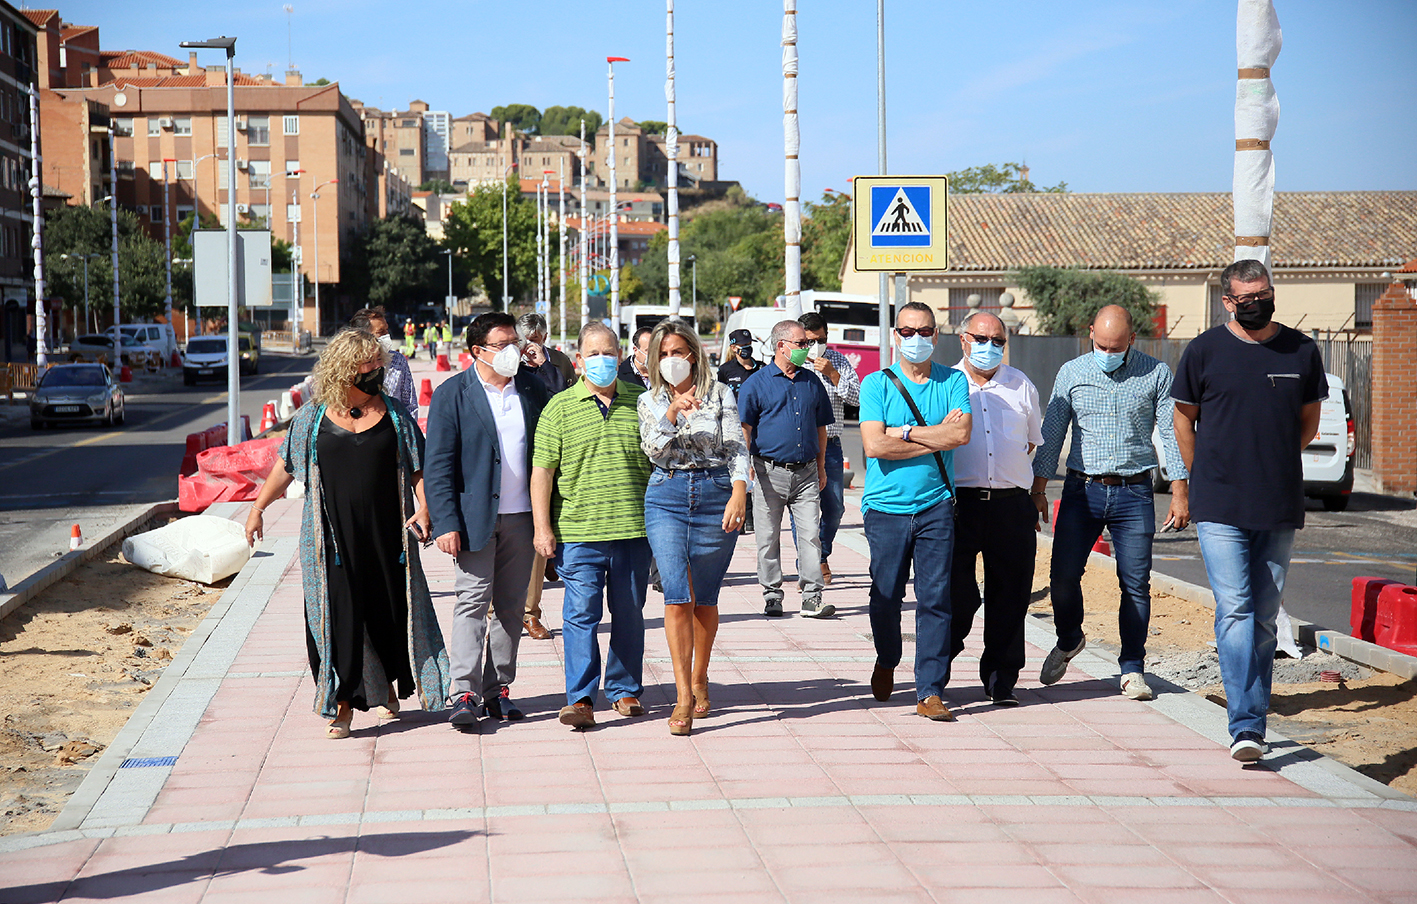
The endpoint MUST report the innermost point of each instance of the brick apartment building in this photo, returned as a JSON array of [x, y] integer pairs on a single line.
[[19, 56], [642, 159]]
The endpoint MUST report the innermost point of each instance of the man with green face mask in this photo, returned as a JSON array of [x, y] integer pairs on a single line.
[[785, 412]]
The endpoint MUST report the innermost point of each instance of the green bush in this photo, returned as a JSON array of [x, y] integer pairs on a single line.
[[1066, 299]]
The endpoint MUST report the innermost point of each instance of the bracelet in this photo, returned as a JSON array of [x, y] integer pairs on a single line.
[[257, 510], [1038, 494]]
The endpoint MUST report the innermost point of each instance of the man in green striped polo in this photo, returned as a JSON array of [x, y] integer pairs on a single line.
[[588, 505]]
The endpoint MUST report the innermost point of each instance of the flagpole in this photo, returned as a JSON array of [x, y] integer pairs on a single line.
[[792, 206], [614, 216], [671, 137]]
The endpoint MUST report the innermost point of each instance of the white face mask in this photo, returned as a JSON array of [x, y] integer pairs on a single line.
[[816, 349], [387, 342], [674, 370], [507, 360]]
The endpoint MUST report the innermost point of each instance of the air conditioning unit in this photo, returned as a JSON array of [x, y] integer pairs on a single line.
[[240, 164], [243, 208], [240, 123], [166, 123]]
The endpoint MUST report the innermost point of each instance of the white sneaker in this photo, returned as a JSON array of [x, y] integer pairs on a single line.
[[1134, 686], [1056, 663]]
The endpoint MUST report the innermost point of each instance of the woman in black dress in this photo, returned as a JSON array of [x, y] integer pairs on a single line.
[[371, 633]]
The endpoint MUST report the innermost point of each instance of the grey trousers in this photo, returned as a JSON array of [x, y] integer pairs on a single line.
[[483, 654], [778, 489]]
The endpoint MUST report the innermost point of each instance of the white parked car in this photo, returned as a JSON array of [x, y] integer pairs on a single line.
[[1328, 460], [154, 337]]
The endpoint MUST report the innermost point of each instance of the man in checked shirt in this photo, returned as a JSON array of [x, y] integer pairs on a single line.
[[1113, 397], [843, 388]]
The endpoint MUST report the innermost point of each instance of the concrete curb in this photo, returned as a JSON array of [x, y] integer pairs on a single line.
[[1316, 636], [31, 586]]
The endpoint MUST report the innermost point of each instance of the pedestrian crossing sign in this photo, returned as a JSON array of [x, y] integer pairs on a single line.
[[901, 223]]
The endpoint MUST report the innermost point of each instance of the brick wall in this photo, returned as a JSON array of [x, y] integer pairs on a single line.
[[1395, 390]]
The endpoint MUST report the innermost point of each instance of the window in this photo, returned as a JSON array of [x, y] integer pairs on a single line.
[[154, 127], [292, 213], [1364, 294], [959, 302], [182, 125], [291, 125], [223, 175], [258, 173], [125, 168], [261, 213], [291, 166], [258, 130], [221, 132], [156, 213], [408, 124], [183, 212], [186, 169], [405, 152], [154, 170], [123, 126]]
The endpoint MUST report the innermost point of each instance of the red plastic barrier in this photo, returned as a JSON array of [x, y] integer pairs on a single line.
[[176, 360], [464, 361], [425, 393], [125, 374], [1363, 611], [443, 363], [423, 425], [295, 398], [1396, 624], [228, 474]]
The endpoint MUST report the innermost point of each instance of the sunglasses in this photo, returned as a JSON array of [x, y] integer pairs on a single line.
[[1252, 299], [907, 331], [976, 339], [800, 343]]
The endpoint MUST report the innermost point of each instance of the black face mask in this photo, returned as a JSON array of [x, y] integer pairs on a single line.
[[1255, 315], [745, 352], [371, 383]]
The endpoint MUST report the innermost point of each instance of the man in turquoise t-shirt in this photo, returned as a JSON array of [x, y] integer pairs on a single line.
[[908, 504]]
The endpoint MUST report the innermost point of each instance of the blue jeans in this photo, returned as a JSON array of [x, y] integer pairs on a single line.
[[833, 497], [617, 570], [684, 520], [927, 539], [1246, 570], [1130, 515]]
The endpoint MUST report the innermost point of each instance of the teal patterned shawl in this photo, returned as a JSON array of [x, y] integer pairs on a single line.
[[427, 654]]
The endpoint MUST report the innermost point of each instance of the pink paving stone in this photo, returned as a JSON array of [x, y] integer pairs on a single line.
[[878, 875], [1301, 896], [1094, 833], [825, 851], [688, 879], [1057, 895], [1153, 896], [305, 895], [188, 892], [1145, 787], [967, 875], [546, 885], [971, 851], [191, 812], [1011, 787], [1239, 875], [1084, 849], [292, 885], [427, 889], [724, 859], [1135, 876], [1341, 858]]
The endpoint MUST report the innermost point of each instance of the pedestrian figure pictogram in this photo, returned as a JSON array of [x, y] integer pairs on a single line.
[[901, 216]]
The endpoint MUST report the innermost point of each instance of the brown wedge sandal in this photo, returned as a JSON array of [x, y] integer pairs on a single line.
[[681, 721], [701, 702]]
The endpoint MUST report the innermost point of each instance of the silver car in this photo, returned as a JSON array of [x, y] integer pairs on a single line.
[[80, 393]]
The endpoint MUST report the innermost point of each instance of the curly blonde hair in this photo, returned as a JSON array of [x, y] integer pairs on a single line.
[[339, 364]]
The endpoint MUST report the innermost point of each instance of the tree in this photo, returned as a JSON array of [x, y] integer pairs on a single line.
[[1009, 178], [1067, 299], [473, 229], [653, 127], [320, 83], [739, 251], [567, 121], [394, 263], [826, 228], [142, 267], [438, 187], [523, 117]]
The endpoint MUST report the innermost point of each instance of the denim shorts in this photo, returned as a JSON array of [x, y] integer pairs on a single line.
[[684, 523]]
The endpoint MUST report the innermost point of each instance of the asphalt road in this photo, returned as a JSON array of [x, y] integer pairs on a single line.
[[95, 477]]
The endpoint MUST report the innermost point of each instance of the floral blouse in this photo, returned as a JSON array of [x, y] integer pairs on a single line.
[[707, 437]]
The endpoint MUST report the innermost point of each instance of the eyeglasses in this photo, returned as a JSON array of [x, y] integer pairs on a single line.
[[800, 343], [498, 346], [907, 331], [976, 338], [1252, 299]]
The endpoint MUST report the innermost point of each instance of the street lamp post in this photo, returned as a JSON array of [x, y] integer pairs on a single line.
[[196, 223], [85, 258], [233, 345], [315, 209], [614, 216], [694, 285], [36, 187], [449, 302], [113, 237], [506, 287]]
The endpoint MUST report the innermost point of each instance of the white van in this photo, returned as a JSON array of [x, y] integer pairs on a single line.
[[1328, 460], [155, 337], [759, 322]]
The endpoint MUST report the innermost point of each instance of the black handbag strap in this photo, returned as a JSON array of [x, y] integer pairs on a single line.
[[920, 421]]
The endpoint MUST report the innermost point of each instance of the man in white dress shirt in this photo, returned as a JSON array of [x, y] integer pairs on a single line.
[[996, 517]]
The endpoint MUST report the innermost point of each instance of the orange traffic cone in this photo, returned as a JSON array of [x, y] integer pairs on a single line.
[[268, 416], [1102, 546], [76, 538], [425, 393]]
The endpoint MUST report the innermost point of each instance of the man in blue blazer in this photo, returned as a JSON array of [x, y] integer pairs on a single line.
[[476, 476]]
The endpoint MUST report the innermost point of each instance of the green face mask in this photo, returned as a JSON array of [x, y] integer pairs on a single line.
[[798, 357]]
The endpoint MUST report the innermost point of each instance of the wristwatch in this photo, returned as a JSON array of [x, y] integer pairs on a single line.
[[905, 433]]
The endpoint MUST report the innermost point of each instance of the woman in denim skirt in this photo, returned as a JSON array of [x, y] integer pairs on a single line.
[[695, 503]]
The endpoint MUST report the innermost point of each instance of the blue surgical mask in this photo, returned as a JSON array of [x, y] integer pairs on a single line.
[[985, 355], [1108, 361], [601, 369], [916, 349]]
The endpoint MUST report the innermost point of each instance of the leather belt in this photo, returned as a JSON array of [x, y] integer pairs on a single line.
[[789, 465], [986, 494], [1111, 480]]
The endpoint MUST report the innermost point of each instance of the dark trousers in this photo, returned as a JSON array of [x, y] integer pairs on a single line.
[[1002, 531]]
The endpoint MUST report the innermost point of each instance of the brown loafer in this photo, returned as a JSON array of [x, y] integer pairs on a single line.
[[934, 709], [826, 572], [882, 683], [578, 715], [628, 706], [535, 629]]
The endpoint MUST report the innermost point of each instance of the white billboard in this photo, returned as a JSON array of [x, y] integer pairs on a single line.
[[253, 268]]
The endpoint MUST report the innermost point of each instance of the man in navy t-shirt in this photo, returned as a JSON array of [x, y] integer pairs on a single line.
[[1247, 396]]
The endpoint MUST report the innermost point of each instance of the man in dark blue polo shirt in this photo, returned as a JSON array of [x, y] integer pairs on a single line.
[[785, 412]]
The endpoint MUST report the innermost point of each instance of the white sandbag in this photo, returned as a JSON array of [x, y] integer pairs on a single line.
[[1284, 631], [201, 548]]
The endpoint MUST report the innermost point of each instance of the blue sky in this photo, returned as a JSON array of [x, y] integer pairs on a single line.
[[1107, 96]]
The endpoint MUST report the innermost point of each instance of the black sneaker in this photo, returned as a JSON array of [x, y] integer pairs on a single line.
[[502, 707], [773, 608], [1249, 746], [999, 696], [464, 713]]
